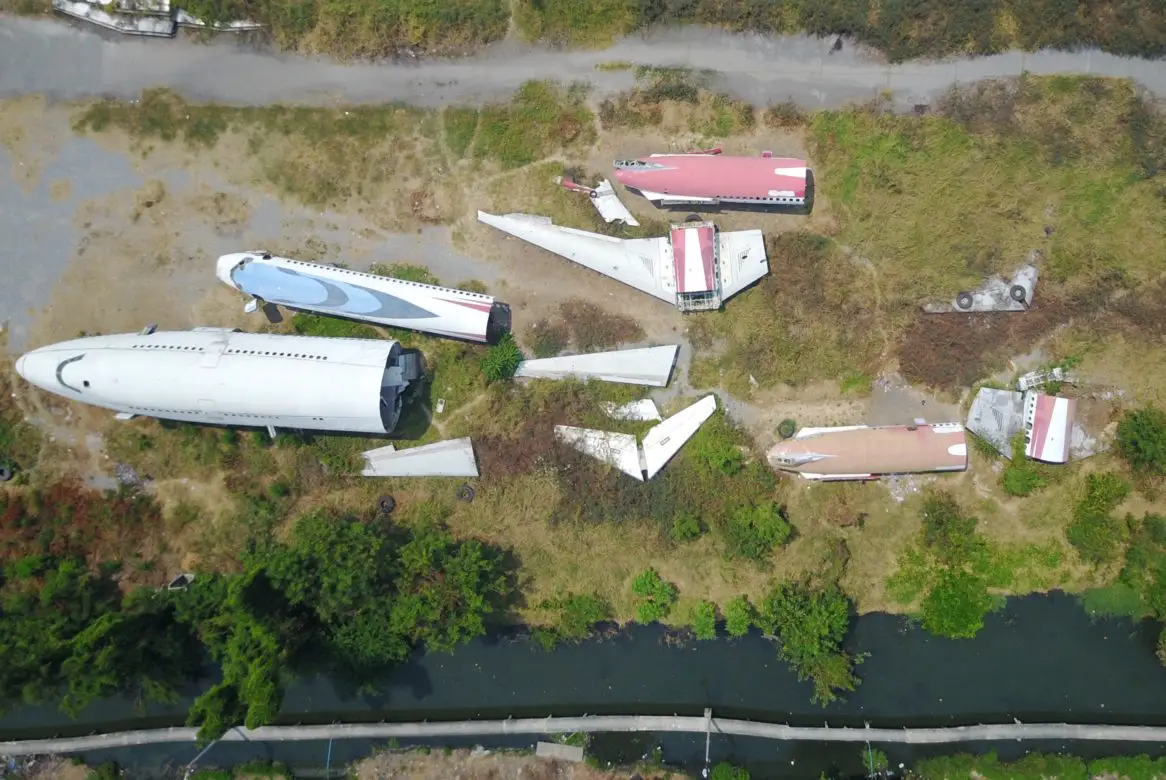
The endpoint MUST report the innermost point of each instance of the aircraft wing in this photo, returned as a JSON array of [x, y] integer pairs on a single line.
[[743, 260], [643, 263]]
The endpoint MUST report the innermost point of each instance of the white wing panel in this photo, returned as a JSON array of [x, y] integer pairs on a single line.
[[453, 458], [642, 263], [645, 366], [666, 439], [615, 449], [742, 260]]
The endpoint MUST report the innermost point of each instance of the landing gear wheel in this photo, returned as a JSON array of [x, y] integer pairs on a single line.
[[465, 494], [786, 428], [1018, 293], [964, 300], [386, 505], [7, 472], [593, 194]]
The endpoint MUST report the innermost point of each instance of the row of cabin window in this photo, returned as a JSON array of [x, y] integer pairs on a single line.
[[229, 351], [377, 276], [199, 411], [275, 354], [167, 346]]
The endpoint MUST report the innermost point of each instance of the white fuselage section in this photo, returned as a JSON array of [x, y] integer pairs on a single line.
[[225, 377], [381, 300]]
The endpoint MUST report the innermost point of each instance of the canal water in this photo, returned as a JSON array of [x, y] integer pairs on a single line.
[[1041, 658]]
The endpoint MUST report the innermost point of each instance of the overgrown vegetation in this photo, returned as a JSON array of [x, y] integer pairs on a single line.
[[378, 29], [810, 623], [1141, 440], [1094, 531], [951, 567], [1036, 766], [814, 320], [929, 28], [355, 594], [656, 596]]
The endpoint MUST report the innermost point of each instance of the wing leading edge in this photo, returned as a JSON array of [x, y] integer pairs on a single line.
[[642, 263]]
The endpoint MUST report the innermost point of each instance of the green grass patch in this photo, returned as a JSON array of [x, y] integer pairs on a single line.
[[1116, 600], [722, 117], [541, 118], [584, 23], [1039, 766], [461, 124], [380, 28]]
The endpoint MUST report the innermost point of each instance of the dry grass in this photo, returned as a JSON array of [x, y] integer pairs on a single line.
[[935, 202], [493, 765], [813, 317]]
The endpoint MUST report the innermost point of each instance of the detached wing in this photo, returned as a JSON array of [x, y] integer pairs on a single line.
[[643, 263]]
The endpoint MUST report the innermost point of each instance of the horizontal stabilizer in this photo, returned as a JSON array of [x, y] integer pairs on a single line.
[[452, 458], [639, 411], [650, 366], [615, 449], [660, 443], [666, 439]]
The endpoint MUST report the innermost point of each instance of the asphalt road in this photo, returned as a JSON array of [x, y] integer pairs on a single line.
[[61, 60]]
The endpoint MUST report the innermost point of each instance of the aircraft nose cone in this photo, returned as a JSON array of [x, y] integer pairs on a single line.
[[20, 367], [225, 265]]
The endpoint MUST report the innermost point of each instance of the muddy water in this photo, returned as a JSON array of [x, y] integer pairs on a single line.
[[1039, 659]]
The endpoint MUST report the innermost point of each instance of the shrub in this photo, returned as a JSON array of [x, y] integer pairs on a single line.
[[956, 605], [686, 527], [1145, 566], [947, 531], [704, 620], [810, 623], [577, 614], [1094, 532], [753, 531], [726, 771], [1022, 477], [502, 360], [1141, 440], [739, 616], [657, 597]]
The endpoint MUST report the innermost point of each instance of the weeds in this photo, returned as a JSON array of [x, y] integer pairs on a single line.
[[541, 118], [813, 320]]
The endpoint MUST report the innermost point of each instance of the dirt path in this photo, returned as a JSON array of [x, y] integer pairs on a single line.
[[57, 59]]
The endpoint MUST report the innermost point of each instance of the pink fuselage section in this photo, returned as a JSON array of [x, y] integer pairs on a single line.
[[766, 180]]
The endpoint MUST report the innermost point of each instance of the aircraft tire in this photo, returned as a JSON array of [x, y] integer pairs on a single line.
[[593, 194], [694, 218], [465, 494], [1018, 293], [964, 300], [7, 472], [786, 428], [386, 505]]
